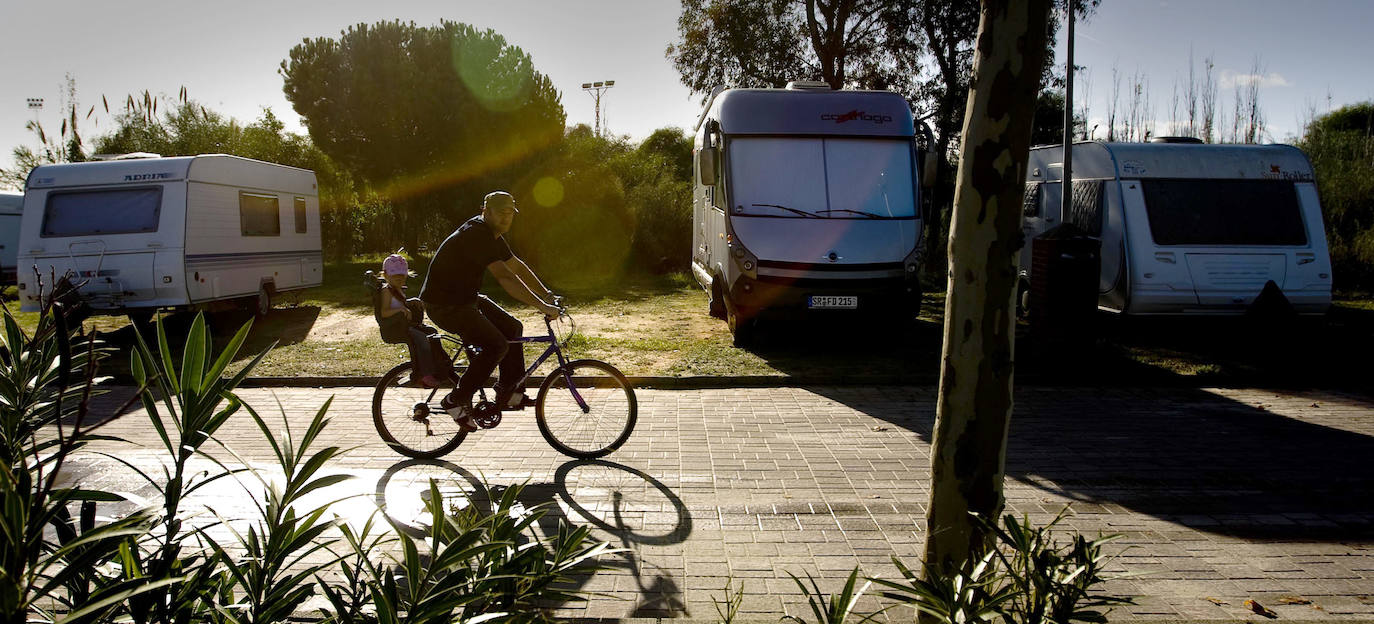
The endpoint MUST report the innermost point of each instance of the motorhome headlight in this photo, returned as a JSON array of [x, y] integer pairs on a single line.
[[911, 268], [746, 261]]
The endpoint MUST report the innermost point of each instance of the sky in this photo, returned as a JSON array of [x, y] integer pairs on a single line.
[[226, 54]]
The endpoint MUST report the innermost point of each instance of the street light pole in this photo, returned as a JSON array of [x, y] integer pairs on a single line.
[[35, 105], [596, 89]]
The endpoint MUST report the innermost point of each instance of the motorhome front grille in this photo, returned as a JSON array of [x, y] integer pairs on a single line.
[[835, 282], [811, 266]]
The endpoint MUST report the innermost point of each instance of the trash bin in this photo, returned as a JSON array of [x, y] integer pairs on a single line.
[[1065, 267]]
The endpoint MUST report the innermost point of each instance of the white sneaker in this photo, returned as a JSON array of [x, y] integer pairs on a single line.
[[462, 415]]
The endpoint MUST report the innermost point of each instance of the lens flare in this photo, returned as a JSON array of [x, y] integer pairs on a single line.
[[548, 192], [498, 76]]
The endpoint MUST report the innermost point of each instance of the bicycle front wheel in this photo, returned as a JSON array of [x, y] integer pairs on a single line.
[[409, 419], [586, 409]]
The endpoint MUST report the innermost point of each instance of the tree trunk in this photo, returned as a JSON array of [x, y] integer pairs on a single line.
[[974, 406]]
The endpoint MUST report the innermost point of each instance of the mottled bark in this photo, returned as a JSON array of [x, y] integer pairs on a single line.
[[974, 407]]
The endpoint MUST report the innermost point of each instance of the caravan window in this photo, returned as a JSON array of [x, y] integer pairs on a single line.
[[111, 211], [300, 215], [1224, 212], [1086, 209], [839, 178], [259, 215]]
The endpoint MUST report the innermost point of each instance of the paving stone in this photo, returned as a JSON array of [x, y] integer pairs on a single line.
[[1214, 498]]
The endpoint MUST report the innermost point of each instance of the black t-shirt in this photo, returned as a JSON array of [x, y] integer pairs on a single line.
[[455, 274]]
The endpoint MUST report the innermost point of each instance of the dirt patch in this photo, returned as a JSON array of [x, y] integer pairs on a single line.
[[342, 326]]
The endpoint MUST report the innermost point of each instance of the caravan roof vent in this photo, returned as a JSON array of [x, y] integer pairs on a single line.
[[1176, 139], [808, 85], [129, 156]]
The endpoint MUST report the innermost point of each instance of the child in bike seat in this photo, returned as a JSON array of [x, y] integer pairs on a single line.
[[402, 319]]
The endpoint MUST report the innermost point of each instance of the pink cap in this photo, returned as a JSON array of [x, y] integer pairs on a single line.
[[395, 265]]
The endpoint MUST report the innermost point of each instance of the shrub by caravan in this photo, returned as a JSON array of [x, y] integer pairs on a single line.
[[806, 202], [1187, 228], [141, 234]]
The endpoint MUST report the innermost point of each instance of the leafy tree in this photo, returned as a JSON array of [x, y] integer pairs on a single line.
[[427, 115], [973, 410], [741, 43], [658, 190], [1048, 127], [1340, 145], [674, 146], [574, 222]]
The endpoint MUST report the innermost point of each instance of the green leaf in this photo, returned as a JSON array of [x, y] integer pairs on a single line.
[[194, 356]]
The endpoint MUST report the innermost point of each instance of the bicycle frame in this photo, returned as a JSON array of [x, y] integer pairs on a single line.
[[553, 349]]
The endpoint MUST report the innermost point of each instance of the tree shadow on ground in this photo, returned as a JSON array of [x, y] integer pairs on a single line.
[[1185, 455], [1323, 352]]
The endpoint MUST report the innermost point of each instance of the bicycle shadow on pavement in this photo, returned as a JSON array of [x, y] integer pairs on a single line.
[[1191, 456], [624, 505]]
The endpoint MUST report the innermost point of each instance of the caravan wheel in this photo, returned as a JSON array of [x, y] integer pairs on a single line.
[[264, 302]]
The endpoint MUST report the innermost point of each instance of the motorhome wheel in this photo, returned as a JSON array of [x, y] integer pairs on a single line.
[[742, 328], [717, 303]]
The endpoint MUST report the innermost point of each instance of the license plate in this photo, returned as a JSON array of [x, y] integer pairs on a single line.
[[832, 302]]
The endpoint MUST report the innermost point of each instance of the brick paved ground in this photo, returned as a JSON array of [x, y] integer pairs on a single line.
[[1221, 495]]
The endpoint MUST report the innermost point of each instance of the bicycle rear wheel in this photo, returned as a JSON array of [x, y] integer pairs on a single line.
[[586, 409], [408, 417]]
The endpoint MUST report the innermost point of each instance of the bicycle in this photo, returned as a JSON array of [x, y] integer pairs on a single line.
[[584, 408]]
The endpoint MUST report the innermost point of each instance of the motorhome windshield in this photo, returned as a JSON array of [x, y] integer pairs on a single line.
[[111, 211], [806, 178], [1224, 212]]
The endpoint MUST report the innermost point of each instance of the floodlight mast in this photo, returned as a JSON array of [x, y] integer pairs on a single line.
[[35, 105], [596, 89]]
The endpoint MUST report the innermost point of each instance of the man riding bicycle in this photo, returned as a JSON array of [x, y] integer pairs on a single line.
[[453, 303]]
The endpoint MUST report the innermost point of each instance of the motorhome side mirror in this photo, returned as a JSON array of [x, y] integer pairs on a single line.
[[930, 167], [706, 165]]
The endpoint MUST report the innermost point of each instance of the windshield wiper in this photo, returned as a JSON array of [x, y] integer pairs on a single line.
[[792, 210], [857, 212]]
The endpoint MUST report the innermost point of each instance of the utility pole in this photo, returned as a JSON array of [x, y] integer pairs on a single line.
[[596, 89], [1066, 188]]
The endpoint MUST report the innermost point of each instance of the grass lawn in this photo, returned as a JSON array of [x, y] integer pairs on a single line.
[[658, 326]]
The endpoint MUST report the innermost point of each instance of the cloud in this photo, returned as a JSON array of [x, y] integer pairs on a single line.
[[1230, 80]]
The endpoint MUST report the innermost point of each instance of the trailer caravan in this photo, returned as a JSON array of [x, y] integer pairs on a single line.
[[1187, 228], [806, 202], [11, 208], [137, 235]]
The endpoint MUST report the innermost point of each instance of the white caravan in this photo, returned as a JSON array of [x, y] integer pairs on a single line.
[[1188, 228], [807, 201], [142, 234], [11, 209]]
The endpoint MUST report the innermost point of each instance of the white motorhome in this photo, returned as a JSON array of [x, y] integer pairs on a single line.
[[1187, 228], [807, 201], [11, 209], [141, 234]]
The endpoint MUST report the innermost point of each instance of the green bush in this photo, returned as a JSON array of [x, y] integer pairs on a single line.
[[1340, 145]]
